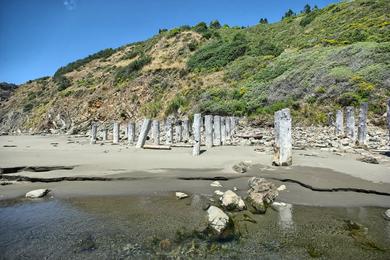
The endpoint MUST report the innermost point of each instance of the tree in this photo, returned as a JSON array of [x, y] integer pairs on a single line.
[[162, 30], [306, 9], [263, 21], [215, 24], [289, 13], [200, 27]]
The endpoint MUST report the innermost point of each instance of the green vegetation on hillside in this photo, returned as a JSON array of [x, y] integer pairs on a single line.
[[312, 61]]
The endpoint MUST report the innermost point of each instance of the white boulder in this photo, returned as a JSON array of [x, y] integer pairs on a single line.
[[217, 219], [36, 193], [181, 195], [232, 201]]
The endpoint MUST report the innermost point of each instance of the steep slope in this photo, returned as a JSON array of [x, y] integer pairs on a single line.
[[312, 62]]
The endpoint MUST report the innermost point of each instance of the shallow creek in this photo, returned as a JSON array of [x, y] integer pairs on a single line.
[[160, 226]]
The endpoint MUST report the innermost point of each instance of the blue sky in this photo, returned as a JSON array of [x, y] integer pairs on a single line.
[[39, 36]]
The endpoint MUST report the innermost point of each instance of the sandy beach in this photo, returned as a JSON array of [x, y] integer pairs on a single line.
[[125, 170]]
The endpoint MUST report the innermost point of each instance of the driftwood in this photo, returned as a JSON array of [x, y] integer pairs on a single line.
[[157, 147], [247, 136]]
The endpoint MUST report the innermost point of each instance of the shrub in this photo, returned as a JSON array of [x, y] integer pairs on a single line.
[[307, 19], [349, 99], [78, 63], [217, 54], [263, 48], [131, 69], [62, 82]]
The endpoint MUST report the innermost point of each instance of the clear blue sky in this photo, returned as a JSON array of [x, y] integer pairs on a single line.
[[39, 36]]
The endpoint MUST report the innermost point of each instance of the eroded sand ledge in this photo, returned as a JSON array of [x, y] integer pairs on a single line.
[[123, 170]]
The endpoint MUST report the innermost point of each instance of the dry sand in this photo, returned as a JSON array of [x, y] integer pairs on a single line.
[[156, 172]]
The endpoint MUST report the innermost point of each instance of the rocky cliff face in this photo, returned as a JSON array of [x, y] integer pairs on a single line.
[[6, 90], [312, 63]]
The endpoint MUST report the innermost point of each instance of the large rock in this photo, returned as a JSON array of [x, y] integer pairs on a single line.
[[261, 194], [218, 222], [232, 201], [181, 195], [36, 193]]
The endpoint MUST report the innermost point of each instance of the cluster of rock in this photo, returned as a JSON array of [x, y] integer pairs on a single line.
[[260, 196]]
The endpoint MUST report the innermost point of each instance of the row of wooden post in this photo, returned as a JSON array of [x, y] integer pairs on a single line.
[[217, 130]]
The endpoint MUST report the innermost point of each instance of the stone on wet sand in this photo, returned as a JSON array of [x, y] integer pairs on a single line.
[[368, 159], [242, 167], [215, 184], [217, 219], [219, 193], [281, 187], [231, 201], [386, 214], [181, 195], [36, 193]]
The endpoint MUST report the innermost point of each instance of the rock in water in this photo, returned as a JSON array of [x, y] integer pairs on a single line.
[[281, 187], [36, 193], [232, 201], [181, 195], [261, 194], [215, 184], [387, 214], [218, 220]]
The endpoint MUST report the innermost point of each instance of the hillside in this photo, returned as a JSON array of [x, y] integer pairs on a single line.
[[312, 62]]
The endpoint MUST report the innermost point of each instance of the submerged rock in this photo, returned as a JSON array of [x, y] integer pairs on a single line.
[[232, 201], [218, 221], [200, 202], [36, 193], [181, 195]]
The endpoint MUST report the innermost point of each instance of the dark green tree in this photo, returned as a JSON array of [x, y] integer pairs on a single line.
[[289, 13], [215, 24], [263, 21], [200, 27], [306, 9]]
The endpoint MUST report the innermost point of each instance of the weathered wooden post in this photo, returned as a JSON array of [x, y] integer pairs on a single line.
[[223, 131], [208, 124], [156, 132], [196, 127], [131, 133], [168, 132], [362, 127], [178, 132], [339, 123], [228, 126], [93, 133], [283, 139], [232, 125], [115, 133], [143, 133], [350, 122], [185, 130], [217, 130], [388, 117], [105, 134]]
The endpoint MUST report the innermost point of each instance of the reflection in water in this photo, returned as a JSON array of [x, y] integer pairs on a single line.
[[141, 227], [285, 217]]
